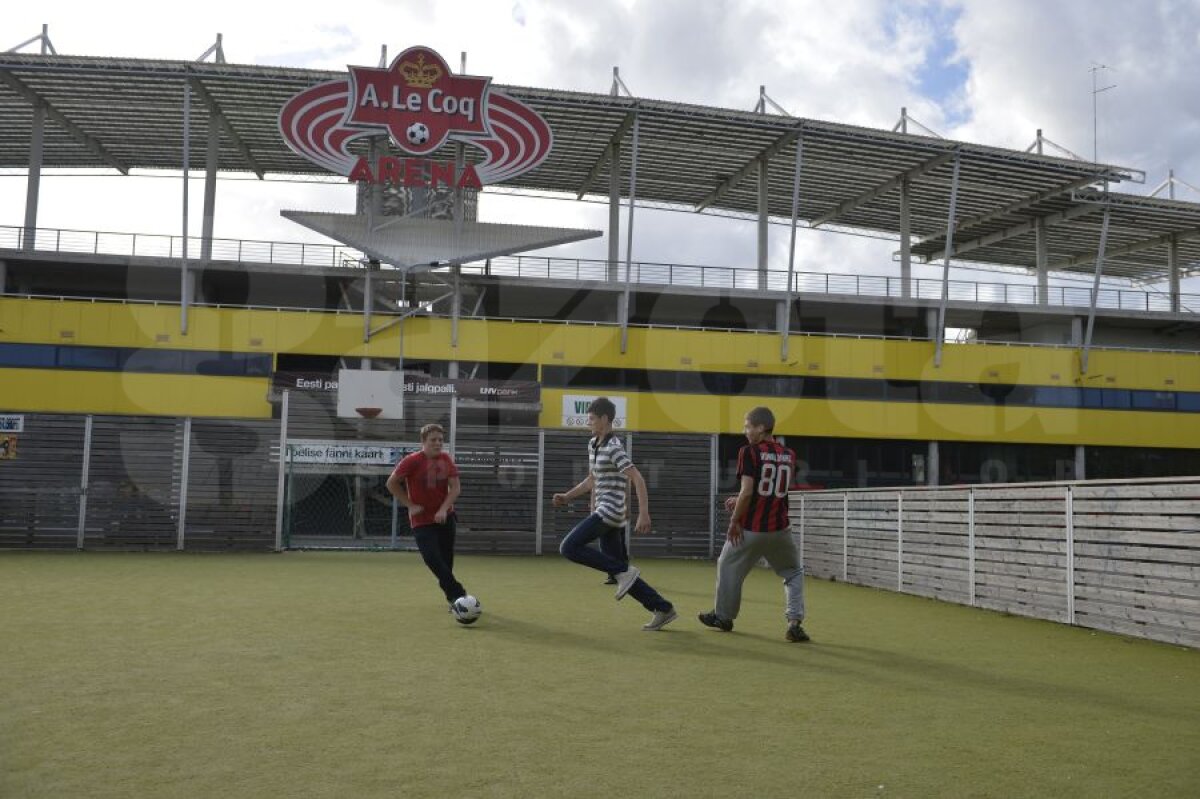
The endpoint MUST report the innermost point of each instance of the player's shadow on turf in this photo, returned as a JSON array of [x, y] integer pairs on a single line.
[[942, 674], [539, 634]]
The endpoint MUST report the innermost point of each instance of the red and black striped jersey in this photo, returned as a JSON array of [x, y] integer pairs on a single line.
[[771, 466]]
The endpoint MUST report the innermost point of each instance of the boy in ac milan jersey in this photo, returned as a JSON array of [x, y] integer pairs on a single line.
[[759, 527], [426, 482]]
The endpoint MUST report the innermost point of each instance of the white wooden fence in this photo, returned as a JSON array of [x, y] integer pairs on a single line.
[[1122, 556]]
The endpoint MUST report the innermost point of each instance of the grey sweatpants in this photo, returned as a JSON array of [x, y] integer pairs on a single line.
[[736, 562]]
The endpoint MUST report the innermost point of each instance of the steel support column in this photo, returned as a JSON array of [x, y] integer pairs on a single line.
[[1173, 272], [786, 325], [1091, 322], [455, 304], [1041, 256], [33, 183], [614, 212], [764, 213], [933, 465], [905, 238], [184, 282], [624, 310], [211, 162], [941, 325]]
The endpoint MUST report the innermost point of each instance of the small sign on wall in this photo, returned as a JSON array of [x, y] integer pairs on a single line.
[[12, 423], [575, 410], [8, 447]]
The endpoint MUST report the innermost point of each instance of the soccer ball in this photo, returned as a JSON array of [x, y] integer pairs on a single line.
[[467, 609], [417, 133]]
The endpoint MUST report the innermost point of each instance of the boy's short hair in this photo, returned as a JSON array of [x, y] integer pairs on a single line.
[[762, 416], [430, 429], [603, 406]]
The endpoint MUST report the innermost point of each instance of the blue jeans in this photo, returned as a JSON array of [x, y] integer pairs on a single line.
[[575, 547]]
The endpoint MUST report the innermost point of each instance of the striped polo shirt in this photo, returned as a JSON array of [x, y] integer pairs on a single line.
[[608, 462]]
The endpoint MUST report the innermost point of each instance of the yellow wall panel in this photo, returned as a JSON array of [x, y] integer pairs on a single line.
[[65, 391]]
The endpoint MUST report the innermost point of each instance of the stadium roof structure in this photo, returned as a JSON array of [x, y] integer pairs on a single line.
[[125, 113]]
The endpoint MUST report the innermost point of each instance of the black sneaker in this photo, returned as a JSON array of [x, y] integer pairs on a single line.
[[796, 634], [611, 580], [711, 619]]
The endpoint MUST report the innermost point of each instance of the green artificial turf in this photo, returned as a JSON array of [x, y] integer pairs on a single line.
[[342, 675]]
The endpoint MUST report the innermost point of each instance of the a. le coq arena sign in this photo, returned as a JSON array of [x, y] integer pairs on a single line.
[[421, 105]]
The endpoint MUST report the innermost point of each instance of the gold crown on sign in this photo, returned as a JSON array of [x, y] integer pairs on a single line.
[[420, 74]]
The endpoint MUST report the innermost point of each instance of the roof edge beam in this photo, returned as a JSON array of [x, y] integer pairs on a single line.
[[1027, 202], [215, 111], [750, 166], [617, 137], [883, 188], [1016, 230], [1129, 249], [91, 143]]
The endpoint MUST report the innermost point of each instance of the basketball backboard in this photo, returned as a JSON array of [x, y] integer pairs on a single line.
[[370, 394]]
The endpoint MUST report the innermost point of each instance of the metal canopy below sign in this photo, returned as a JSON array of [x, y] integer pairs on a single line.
[[408, 243]]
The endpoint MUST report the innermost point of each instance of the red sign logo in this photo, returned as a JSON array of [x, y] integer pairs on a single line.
[[421, 105]]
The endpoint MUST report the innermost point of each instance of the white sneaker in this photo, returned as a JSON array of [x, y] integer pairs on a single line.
[[660, 619], [626, 579]]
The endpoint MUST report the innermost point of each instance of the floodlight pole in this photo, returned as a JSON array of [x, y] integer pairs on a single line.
[[624, 310], [785, 323], [1091, 322], [941, 321]]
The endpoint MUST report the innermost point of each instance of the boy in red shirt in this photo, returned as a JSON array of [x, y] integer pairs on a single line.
[[426, 483]]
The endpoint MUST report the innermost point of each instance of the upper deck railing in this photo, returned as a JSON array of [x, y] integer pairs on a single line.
[[290, 253]]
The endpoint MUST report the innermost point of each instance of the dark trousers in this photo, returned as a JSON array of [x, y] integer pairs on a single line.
[[436, 544], [575, 547]]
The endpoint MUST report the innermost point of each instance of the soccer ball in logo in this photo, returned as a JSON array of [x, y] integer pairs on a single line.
[[417, 133], [467, 609]]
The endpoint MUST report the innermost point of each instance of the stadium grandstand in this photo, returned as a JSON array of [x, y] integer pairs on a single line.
[[146, 356]]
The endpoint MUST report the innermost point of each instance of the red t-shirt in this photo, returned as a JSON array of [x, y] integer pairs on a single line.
[[771, 466], [428, 482]]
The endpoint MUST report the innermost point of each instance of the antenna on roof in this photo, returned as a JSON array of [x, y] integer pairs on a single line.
[[216, 51], [43, 37], [1095, 70]]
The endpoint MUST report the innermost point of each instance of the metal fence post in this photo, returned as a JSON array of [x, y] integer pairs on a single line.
[[713, 485], [900, 542], [845, 525], [183, 483], [1070, 554], [971, 546], [541, 488], [83, 481], [283, 426]]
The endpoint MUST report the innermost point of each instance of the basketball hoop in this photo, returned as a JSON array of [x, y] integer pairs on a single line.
[[368, 413]]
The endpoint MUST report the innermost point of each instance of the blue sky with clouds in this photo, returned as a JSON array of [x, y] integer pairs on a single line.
[[988, 72]]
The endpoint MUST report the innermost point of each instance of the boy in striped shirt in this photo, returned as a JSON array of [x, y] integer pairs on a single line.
[[759, 527], [610, 470]]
